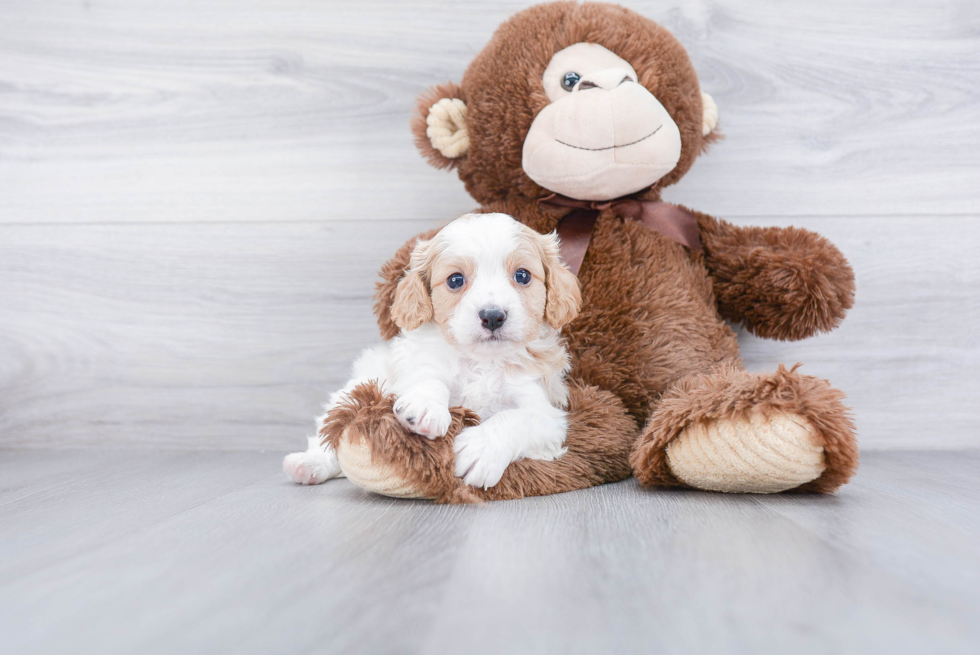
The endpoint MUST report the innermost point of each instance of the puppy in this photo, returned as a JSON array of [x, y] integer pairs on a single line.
[[480, 308]]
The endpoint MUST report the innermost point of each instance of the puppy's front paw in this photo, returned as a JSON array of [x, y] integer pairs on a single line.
[[422, 414], [481, 456]]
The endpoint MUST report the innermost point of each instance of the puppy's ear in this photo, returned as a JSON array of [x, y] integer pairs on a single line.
[[564, 299], [412, 305], [391, 274], [439, 125]]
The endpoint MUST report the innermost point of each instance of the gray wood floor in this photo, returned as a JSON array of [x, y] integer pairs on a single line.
[[126, 552]]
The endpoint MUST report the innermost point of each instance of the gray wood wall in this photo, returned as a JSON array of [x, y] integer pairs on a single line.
[[195, 197]]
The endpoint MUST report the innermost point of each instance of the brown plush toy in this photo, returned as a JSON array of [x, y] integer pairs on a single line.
[[574, 118]]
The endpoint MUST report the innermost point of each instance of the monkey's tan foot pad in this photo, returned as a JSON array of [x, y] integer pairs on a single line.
[[357, 463], [730, 430], [748, 454]]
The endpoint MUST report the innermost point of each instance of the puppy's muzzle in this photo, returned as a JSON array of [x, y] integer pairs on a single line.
[[492, 318]]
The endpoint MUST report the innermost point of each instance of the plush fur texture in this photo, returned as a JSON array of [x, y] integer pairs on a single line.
[[420, 125], [650, 349], [598, 449], [780, 283], [504, 92], [731, 392]]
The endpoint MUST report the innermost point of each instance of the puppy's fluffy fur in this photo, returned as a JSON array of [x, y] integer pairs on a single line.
[[480, 309]]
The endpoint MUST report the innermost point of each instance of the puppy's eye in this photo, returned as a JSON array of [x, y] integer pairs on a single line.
[[570, 80], [521, 276], [455, 281]]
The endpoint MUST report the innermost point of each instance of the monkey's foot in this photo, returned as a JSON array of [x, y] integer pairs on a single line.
[[748, 433], [749, 454]]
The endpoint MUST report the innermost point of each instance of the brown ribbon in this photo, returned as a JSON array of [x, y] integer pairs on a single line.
[[575, 227]]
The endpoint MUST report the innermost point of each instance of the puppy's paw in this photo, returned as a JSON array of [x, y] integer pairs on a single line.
[[422, 414], [482, 456], [311, 467]]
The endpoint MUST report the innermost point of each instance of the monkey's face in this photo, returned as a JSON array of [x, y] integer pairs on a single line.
[[603, 135], [591, 101]]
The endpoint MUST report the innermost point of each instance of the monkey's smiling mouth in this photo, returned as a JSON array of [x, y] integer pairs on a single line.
[[623, 145]]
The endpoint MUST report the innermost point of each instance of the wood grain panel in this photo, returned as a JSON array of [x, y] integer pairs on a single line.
[[228, 336], [907, 353], [297, 110], [216, 335]]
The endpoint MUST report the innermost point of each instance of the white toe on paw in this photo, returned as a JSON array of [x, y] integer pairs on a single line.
[[481, 457], [422, 414], [304, 468]]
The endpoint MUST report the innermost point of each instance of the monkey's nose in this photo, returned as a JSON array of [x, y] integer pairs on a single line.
[[492, 317], [607, 79]]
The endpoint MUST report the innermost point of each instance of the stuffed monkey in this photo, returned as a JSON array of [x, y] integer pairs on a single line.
[[574, 118]]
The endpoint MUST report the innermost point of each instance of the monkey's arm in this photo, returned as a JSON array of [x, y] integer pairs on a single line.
[[781, 283]]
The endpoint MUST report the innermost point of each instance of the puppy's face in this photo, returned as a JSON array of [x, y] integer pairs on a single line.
[[487, 281]]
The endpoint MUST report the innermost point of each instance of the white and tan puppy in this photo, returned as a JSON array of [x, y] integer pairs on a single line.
[[480, 309]]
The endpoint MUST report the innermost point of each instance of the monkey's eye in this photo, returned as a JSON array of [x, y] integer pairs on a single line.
[[455, 281], [570, 80], [521, 276]]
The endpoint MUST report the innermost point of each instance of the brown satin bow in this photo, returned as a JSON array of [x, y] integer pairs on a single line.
[[575, 227]]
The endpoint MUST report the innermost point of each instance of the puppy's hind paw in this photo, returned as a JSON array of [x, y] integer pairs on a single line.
[[310, 468]]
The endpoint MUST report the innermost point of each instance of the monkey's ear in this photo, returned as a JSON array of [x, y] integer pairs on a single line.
[[709, 115], [439, 125]]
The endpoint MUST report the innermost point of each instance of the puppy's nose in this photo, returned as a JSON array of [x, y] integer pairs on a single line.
[[492, 317]]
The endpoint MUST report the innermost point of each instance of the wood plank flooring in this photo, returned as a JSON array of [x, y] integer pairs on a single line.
[[122, 552]]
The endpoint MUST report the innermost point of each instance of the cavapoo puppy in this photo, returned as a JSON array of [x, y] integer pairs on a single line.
[[480, 309]]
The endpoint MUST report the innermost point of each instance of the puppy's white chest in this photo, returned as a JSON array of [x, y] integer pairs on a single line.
[[483, 389]]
